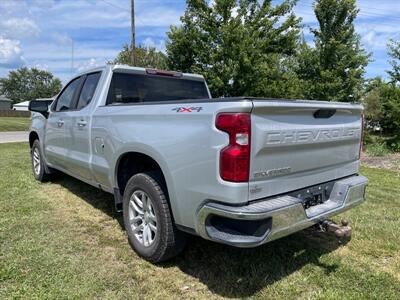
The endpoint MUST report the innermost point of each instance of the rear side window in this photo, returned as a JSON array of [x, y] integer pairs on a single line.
[[65, 101], [133, 88], [88, 89]]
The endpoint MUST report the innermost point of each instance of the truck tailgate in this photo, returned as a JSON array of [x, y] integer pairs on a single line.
[[296, 144]]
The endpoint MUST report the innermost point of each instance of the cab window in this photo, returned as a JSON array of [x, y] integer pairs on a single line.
[[65, 100], [88, 89]]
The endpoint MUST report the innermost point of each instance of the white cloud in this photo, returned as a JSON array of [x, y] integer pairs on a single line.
[[149, 42], [19, 28], [10, 53], [385, 9], [9, 7], [91, 63], [157, 17], [91, 19], [369, 39], [43, 67], [62, 39], [82, 51], [375, 35], [160, 46]]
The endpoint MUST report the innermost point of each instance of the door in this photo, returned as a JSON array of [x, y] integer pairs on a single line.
[[77, 129], [55, 146]]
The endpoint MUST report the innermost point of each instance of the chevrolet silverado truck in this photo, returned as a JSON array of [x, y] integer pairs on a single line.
[[240, 171]]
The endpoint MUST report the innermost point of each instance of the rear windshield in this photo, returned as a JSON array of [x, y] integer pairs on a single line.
[[133, 88]]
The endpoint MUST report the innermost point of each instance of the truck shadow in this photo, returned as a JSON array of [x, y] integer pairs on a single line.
[[240, 273], [99, 199], [228, 271]]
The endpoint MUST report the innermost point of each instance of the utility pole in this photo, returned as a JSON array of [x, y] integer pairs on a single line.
[[72, 56], [133, 32]]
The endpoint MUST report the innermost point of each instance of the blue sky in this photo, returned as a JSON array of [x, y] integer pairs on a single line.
[[39, 33]]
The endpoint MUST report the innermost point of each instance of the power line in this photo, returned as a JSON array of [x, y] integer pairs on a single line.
[[299, 5], [114, 5], [361, 12], [123, 9]]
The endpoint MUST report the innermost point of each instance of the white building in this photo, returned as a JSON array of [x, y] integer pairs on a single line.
[[21, 106], [24, 105]]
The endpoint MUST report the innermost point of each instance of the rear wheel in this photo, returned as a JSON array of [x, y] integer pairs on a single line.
[[38, 164], [148, 220]]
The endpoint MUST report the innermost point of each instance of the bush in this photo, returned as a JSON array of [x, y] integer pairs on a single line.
[[368, 138], [377, 149], [394, 145]]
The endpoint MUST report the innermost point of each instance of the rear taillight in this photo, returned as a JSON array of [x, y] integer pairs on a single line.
[[235, 158], [362, 135]]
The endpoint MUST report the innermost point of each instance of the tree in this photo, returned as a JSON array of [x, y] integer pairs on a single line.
[[335, 67], [146, 57], [382, 108], [394, 53], [391, 94], [28, 84], [374, 103], [242, 47]]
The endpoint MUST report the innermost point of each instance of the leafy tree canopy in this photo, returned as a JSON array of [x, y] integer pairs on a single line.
[[382, 107], [394, 53], [242, 47], [334, 69], [374, 102], [27, 84], [146, 57]]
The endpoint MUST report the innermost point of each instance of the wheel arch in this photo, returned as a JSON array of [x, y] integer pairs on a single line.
[[133, 162], [33, 135]]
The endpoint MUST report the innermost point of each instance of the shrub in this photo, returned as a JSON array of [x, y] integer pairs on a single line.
[[394, 145], [377, 149]]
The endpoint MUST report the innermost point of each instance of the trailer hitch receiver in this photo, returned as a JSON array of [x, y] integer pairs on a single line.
[[340, 231]]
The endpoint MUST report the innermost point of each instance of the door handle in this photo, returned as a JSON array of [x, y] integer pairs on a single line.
[[82, 123], [60, 123]]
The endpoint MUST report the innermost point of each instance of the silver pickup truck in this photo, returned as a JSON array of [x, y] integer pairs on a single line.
[[240, 171]]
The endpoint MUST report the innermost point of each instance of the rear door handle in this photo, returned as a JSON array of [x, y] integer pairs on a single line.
[[60, 123], [82, 123]]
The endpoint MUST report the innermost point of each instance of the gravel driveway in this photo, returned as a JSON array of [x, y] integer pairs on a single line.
[[14, 136]]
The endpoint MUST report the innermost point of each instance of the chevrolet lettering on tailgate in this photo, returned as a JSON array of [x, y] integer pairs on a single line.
[[310, 136]]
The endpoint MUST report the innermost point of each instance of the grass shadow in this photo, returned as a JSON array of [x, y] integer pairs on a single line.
[[228, 271], [97, 198]]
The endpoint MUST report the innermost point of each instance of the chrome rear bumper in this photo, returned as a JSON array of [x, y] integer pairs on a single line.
[[275, 217]]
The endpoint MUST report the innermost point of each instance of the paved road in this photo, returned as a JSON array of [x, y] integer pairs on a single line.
[[13, 136]]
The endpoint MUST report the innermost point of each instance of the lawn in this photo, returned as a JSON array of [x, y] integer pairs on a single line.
[[63, 240], [14, 124]]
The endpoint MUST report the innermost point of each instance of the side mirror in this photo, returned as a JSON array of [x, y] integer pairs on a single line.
[[39, 106]]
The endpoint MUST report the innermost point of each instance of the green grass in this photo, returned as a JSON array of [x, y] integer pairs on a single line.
[[14, 124], [62, 240]]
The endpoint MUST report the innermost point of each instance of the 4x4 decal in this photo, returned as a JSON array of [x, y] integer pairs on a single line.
[[188, 109]]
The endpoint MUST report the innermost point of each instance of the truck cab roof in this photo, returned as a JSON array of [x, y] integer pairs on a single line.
[[140, 70]]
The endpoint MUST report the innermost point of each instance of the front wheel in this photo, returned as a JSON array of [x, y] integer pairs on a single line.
[[38, 164], [148, 220]]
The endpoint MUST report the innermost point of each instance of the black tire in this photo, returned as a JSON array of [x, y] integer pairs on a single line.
[[41, 173], [168, 241]]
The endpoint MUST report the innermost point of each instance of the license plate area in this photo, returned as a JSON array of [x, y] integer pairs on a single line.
[[314, 195]]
